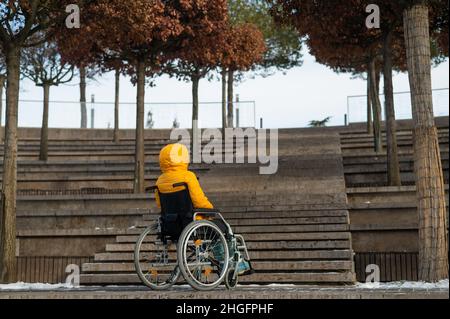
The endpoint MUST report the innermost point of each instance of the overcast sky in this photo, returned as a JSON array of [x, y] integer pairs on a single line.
[[310, 92]]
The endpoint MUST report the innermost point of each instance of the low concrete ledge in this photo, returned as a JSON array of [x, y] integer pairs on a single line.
[[242, 292]]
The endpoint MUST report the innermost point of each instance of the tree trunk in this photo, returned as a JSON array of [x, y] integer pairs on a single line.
[[376, 107], [224, 99], [369, 107], [195, 103], [230, 116], [2, 85], [116, 107], [433, 237], [9, 185], [83, 97], [140, 108], [393, 167], [43, 153]]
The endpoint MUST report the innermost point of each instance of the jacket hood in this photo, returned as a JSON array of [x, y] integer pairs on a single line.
[[174, 157]]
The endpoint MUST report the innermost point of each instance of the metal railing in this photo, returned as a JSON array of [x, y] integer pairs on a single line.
[[357, 105], [67, 114]]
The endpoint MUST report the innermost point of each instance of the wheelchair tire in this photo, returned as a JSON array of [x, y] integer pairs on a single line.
[[231, 283], [171, 275], [200, 265]]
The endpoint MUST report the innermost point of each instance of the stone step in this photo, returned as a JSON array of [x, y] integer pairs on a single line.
[[367, 148], [80, 152], [107, 143], [269, 278], [281, 208], [134, 232], [403, 137], [267, 214], [353, 132], [373, 195], [88, 173], [346, 148], [266, 245], [257, 266], [291, 228], [384, 205], [81, 232], [87, 157], [380, 179], [377, 163], [85, 202], [90, 138], [294, 200], [266, 237], [342, 254], [81, 213], [380, 168], [52, 178], [354, 158], [287, 228], [275, 221]]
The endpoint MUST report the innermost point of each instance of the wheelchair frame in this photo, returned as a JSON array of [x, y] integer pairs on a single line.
[[201, 218]]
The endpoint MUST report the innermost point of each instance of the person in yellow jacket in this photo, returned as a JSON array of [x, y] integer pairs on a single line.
[[174, 163]]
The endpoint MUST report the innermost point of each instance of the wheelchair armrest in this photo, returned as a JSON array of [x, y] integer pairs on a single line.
[[206, 210], [151, 188], [183, 184], [180, 184]]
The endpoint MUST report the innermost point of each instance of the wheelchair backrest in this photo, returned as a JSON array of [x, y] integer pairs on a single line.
[[179, 203], [176, 212]]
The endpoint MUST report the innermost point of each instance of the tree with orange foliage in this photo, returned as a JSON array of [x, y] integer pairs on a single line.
[[347, 44], [141, 34], [198, 55]]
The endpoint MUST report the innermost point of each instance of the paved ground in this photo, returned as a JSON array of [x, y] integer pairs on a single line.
[[249, 292]]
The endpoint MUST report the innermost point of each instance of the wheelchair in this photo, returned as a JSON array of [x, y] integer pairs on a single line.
[[197, 244]]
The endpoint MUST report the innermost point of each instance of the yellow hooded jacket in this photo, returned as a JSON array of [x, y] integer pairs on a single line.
[[174, 162]]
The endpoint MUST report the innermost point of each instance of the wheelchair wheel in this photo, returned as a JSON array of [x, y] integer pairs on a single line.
[[155, 262], [231, 282], [203, 255]]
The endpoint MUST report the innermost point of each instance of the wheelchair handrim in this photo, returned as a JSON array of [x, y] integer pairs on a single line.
[[194, 226], [172, 277]]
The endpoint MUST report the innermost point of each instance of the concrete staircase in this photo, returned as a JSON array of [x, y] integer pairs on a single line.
[[365, 168], [295, 222], [303, 224], [384, 220]]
